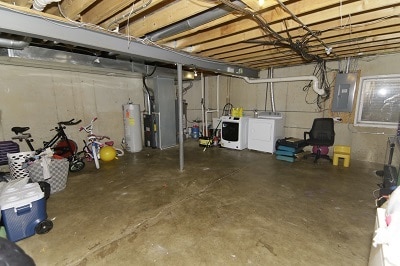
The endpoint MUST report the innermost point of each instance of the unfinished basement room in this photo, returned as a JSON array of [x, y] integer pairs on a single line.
[[199, 132]]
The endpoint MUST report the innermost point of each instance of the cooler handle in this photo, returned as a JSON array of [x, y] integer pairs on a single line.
[[23, 209]]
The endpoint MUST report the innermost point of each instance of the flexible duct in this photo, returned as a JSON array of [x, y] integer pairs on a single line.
[[147, 102], [39, 5], [287, 79], [184, 90], [271, 88], [193, 22], [149, 94]]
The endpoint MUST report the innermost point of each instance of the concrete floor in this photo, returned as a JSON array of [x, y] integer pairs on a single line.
[[226, 208]]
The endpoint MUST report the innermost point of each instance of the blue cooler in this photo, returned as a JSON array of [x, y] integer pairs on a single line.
[[23, 211]]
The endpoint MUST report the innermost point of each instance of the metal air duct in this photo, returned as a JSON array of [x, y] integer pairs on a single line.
[[193, 22]]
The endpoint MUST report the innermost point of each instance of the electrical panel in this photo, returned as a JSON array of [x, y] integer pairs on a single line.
[[345, 88]]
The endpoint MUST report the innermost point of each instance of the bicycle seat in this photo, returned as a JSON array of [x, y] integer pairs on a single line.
[[19, 130], [109, 143]]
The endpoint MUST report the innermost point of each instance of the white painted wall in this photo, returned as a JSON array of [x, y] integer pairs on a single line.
[[39, 98], [368, 144]]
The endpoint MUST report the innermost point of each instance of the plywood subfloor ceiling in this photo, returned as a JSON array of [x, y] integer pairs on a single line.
[[277, 33]]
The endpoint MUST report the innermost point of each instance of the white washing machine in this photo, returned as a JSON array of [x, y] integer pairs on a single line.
[[234, 132], [264, 131]]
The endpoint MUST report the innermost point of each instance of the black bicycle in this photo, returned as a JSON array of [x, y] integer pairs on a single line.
[[60, 144]]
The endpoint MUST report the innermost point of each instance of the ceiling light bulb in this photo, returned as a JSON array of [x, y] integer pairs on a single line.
[[260, 2], [195, 73], [328, 50]]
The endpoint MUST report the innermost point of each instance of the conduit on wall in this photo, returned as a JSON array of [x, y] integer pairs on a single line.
[[210, 111], [14, 44], [287, 79], [271, 89]]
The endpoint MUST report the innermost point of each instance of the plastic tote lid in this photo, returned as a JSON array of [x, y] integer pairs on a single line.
[[14, 197]]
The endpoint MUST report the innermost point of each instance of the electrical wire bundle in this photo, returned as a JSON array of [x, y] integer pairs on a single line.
[[300, 46], [321, 73]]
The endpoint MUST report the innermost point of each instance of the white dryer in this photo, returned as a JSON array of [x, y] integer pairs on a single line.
[[264, 131]]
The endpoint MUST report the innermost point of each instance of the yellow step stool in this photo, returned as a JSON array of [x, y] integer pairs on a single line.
[[341, 152]]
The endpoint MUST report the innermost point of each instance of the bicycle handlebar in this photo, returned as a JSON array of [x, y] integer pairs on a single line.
[[89, 127], [70, 122], [98, 137]]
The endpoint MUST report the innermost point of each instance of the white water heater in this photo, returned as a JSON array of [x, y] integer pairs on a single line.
[[132, 127]]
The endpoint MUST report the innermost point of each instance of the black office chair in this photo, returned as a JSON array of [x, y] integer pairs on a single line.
[[321, 136]]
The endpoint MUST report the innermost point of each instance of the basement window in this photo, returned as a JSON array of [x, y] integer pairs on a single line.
[[378, 102]]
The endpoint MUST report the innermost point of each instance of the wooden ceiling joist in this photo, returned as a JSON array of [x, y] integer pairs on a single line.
[[349, 27]]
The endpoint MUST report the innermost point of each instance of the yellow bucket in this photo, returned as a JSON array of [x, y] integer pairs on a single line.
[[237, 112], [205, 141]]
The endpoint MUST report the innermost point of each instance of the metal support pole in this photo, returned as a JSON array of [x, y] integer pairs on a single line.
[[203, 102], [180, 120], [218, 80]]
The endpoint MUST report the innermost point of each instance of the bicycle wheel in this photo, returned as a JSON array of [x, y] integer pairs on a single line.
[[76, 165], [95, 152], [120, 152], [81, 155], [63, 149]]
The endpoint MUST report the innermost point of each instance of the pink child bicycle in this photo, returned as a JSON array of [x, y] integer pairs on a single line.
[[91, 150]]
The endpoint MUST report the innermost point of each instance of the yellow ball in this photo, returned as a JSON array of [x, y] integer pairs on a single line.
[[107, 153]]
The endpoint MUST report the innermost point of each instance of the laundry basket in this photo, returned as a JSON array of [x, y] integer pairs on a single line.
[[16, 163], [58, 173]]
